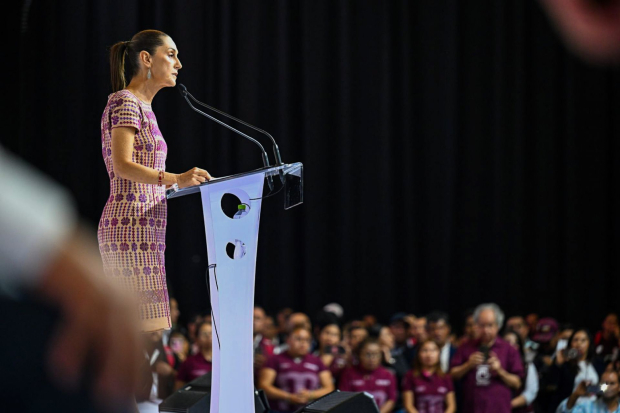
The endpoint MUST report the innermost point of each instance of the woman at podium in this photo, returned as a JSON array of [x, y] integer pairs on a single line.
[[132, 228]]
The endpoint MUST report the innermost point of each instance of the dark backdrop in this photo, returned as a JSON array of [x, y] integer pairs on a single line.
[[454, 151]]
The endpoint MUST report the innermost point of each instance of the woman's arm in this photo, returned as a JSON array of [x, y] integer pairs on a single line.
[[327, 385], [124, 167], [408, 402], [450, 403], [266, 379], [387, 407]]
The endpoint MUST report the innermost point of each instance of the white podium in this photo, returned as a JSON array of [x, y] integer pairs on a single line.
[[231, 276]]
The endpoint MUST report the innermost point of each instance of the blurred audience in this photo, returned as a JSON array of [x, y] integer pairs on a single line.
[[426, 389], [490, 368], [523, 398], [606, 340], [439, 330], [200, 363], [295, 377], [370, 377], [571, 366]]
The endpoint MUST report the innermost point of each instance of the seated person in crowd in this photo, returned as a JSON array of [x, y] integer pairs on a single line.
[[439, 330], [293, 321], [524, 398], [200, 363], [605, 400], [156, 372], [490, 368], [356, 335], [263, 348], [426, 389], [295, 377], [571, 366], [606, 340], [368, 376], [179, 345], [469, 330], [329, 350]]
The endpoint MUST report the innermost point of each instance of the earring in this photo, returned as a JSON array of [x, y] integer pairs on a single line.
[[148, 74]]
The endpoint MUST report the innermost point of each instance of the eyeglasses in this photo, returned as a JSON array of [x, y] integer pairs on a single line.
[[370, 355]]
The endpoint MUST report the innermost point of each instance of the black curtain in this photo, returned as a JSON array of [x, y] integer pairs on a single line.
[[455, 152]]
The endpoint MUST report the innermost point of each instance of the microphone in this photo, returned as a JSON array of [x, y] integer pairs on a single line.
[[185, 93], [276, 149]]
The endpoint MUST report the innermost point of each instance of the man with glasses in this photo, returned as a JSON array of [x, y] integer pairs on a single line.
[[489, 367], [295, 377]]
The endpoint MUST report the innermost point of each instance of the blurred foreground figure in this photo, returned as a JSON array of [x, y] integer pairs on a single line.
[[75, 345], [591, 27]]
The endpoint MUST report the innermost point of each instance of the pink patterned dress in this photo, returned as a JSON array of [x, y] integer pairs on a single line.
[[132, 229]]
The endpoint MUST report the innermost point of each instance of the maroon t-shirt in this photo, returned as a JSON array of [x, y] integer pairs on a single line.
[[483, 390], [429, 392], [294, 375], [193, 367], [380, 383]]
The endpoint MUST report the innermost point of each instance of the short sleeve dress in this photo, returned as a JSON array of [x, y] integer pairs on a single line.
[[132, 229]]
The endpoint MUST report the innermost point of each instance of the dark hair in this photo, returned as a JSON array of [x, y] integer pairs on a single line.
[[520, 344], [125, 56], [417, 364], [437, 316], [367, 341], [573, 365]]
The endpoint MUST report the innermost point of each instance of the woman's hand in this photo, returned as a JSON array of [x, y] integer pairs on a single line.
[[194, 176]]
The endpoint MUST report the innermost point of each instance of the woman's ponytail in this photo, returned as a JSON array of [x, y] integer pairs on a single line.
[[117, 66]]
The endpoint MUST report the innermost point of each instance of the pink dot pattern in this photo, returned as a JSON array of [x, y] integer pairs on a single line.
[[132, 229]]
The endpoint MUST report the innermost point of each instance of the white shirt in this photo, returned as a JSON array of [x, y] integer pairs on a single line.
[[586, 372], [444, 358], [36, 216]]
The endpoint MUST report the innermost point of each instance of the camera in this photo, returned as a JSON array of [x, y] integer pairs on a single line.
[[597, 389], [571, 353]]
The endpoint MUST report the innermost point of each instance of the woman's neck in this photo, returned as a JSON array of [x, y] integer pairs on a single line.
[[143, 90], [429, 370], [206, 354]]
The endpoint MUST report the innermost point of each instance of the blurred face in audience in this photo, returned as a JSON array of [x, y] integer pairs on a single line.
[[370, 356], [511, 338], [282, 318], [369, 320], [299, 342], [356, 336], [174, 311], [532, 321], [419, 329], [204, 338], [386, 338], [610, 325], [439, 331], [610, 378], [518, 325], [270, 331], [179, 344], [191, 327], [399, 331], [259, 320], [298, 319], [487, 326], [469, 330], [330, 336], [428, 355], [581, 343]]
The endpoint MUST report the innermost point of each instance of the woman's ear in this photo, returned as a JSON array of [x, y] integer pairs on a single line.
[[145, 57]]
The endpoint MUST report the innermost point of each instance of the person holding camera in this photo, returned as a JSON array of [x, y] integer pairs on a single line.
[[489, 367], [603, 397], [572, 365]]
